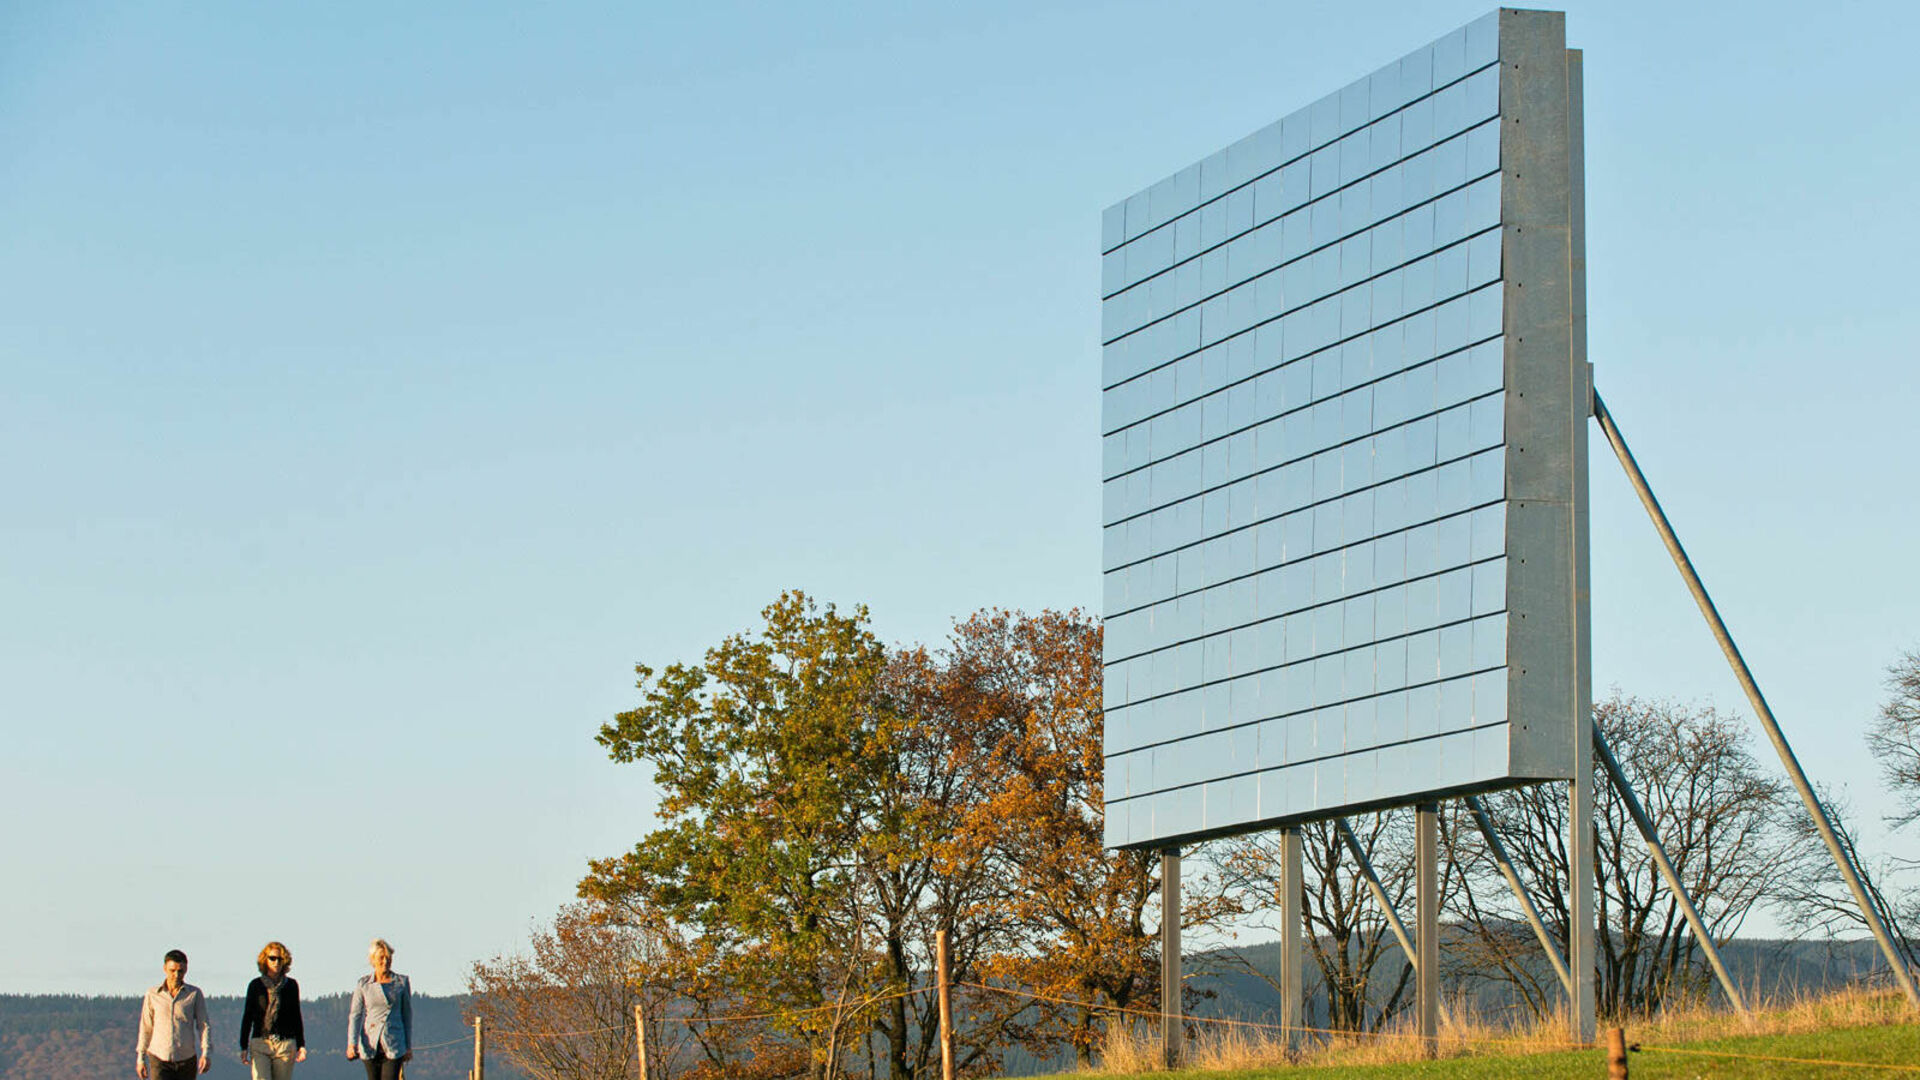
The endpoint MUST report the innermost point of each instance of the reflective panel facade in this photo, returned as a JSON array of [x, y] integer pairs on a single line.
[[1334, 577]]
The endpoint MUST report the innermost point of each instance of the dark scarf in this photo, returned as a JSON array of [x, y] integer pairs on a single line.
[[271, 1016]]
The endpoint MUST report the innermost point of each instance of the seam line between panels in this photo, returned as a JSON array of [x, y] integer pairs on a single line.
[[1110, 616], [1308, 205], [1342, 651], [1297, 409], [1316, 353], [1304, 305], [1299, 712], [1342, 444], [1307, 153], [1191, 544], [1277, 267], [1330, 346], [1435, 467], [1325, 348]]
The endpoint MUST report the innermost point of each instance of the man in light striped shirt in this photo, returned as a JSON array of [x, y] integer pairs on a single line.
[[173, 1027]]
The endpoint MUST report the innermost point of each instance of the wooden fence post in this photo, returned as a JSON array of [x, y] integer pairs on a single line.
[[479, 1048], [945, 975], [640, 1038], [1616, 1054]]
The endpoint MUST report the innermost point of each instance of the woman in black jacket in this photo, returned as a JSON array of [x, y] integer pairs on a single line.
[[272, 1037]]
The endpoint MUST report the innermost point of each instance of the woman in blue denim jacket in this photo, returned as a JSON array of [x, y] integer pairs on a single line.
[[380, 1016]]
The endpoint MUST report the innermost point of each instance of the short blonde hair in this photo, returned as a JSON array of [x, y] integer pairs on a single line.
[[273, 947], [379, 945]]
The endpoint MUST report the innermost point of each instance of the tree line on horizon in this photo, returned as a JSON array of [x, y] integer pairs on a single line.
[[828, 804]]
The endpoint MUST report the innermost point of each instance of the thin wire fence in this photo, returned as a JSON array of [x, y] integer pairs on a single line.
[[503, 1033], [1283, 1029], [440, 1045]]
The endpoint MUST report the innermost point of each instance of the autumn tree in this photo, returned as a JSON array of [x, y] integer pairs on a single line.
[[828, 807], [1026, 690], [922, 875], [565, 1009], [816, 795]]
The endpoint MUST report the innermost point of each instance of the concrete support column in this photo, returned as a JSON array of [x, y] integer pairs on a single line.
[[1426, 889], [1293, 972], [1581, 909], [1170, 956]]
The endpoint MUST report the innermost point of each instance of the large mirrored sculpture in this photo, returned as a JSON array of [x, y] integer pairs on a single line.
[[1343, 434]]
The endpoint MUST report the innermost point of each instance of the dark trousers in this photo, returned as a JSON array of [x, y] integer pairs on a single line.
[[382, 1067], [172, 1070]]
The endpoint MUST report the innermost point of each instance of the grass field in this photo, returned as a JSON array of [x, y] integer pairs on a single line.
[[1852, 1033], [1882, 1045]]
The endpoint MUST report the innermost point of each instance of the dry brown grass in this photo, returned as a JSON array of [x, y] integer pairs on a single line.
[[1786, 1014], [1129, 1048], [1230, 1047], [1251, 1045]]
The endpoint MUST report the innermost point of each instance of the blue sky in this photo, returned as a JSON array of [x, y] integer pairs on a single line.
[[381, 383]]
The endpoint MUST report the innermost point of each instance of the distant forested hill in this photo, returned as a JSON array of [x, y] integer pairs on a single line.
[[65, 1037]]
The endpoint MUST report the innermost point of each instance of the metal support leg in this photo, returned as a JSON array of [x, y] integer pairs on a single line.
[[1379, 891], [1293, 971], [1665, 867], [1170, 956], [1848, 871], [1582, 911], [1426, 889], [1527, 908]]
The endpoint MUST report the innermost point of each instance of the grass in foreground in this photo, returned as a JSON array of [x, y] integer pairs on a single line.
[[1854, 1027]]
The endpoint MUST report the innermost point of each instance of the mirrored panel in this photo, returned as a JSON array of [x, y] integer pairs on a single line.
[[1311, 554]]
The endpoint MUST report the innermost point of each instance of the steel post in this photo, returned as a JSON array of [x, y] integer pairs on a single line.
[[1665, 866], [1170, 957], [1582, 909], [1293, 984], [1379, 892], [1426, 896], [1895, 961], [1500, 859]]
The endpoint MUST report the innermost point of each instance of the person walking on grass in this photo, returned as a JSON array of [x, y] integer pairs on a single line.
[[272, 1034], [380, 1016], [174, 1033]]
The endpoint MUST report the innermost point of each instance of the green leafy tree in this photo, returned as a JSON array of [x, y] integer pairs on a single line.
[[768, 758]]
